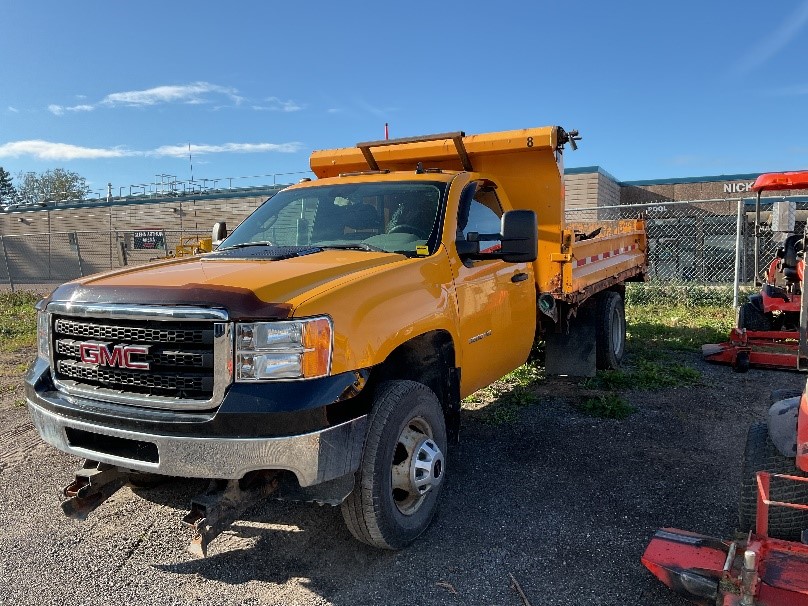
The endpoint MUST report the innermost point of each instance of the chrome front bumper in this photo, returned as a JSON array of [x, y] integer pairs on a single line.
[[313, 457]]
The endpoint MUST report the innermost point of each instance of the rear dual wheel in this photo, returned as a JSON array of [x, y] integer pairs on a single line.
[[610, 330], [403, 467]]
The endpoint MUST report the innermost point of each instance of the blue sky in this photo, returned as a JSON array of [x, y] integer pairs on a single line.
[[116, 91]]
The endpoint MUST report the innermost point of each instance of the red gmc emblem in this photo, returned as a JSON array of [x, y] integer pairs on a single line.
[[119, 355]]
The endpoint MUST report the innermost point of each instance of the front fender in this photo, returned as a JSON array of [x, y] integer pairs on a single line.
[[380, 309]]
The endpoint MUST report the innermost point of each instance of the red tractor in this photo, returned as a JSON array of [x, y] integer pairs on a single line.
[[767, 564], [767, 331]]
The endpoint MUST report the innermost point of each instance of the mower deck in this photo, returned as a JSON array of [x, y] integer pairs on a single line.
[[745, 348], [709, 571], [755, 571]]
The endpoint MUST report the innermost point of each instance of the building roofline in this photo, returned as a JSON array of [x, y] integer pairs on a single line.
[[587, 170], [705, 179]]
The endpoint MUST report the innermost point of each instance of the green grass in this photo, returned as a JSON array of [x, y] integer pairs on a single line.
[[646, 375], [17, 320], [665, 327], [502, 400], [658, 327], [606, 406]]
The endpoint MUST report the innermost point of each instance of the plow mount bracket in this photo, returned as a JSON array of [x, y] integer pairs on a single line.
[[222, 503], [94, 484]]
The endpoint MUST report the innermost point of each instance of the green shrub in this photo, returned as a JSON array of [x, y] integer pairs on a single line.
[[17, 319], [690, 295], [606, 406]]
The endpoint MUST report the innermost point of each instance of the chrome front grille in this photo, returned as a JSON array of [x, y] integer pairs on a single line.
[[133, 334], [137, 379], [179, 360]]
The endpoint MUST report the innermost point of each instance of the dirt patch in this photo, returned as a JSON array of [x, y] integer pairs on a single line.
[[564, 502]]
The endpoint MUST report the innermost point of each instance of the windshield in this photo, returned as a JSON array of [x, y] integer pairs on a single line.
[[399, 216]]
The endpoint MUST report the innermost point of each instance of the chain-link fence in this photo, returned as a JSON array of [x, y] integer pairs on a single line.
[[694, 242], [690, 242], [33, 260]]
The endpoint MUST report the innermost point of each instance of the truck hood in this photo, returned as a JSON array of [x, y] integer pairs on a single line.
[[260, 288]]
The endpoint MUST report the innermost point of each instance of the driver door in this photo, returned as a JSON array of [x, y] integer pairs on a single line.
[[496, 300]]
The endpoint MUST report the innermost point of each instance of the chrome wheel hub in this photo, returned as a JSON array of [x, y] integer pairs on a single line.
[[418, 466]]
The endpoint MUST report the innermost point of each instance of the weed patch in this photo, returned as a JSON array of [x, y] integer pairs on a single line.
[[17, 319], [606, 406]]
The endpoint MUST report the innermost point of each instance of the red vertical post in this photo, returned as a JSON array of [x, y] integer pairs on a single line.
[[386, 132], [762, 521]]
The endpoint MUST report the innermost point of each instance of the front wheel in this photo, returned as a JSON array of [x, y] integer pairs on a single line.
[[403, 467]]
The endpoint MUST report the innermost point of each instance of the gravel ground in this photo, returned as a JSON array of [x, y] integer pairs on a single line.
[[563, 502]]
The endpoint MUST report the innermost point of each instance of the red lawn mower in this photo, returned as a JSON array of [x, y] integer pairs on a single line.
[[771, 327], [767, 564]]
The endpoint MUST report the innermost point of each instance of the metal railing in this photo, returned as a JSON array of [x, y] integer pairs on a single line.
[[165, 185]]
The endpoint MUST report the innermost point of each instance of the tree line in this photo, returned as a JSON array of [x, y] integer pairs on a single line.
[[34, 188]]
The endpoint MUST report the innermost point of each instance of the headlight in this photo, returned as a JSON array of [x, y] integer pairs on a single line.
[[43, 334], [297, 349]]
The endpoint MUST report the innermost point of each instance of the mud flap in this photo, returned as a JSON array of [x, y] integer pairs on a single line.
[[573, 354]]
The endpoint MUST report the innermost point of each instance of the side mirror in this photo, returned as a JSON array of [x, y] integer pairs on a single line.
[[219, 233], [520, 236]]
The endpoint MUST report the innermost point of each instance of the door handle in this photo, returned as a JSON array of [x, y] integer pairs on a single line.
[[520, 277]]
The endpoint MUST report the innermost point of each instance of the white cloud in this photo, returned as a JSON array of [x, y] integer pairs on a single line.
[[775, 42], [13, 110], [180, 151], [381, 112], [47, 150], [273, 104], [334, 110], [194, 93], [59, 110]]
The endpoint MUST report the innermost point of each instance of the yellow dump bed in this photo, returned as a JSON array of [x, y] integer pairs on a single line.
[[527, 166]]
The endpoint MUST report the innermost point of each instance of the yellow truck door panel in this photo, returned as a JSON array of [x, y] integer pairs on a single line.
[[497, 320]]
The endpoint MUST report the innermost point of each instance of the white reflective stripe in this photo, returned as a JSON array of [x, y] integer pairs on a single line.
[[605, 255]]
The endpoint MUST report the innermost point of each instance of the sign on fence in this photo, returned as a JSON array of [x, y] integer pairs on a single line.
[[150, 239]]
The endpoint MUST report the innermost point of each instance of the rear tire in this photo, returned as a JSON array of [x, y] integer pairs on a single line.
[[610, 330], [403, 467], [761, 454]]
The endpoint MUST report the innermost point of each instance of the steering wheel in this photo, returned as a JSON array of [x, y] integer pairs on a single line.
[[409, 229]]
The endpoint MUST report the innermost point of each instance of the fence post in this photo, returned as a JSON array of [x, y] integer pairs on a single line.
[[737, 281], [73, 237], [5, 259]]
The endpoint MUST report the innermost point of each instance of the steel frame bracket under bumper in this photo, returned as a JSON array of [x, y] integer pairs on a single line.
[[94, 483], [222, 503]]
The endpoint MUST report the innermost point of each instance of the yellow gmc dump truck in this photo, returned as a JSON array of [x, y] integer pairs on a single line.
[[322, 351]]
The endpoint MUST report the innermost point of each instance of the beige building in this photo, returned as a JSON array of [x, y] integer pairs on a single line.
[[56, 242]]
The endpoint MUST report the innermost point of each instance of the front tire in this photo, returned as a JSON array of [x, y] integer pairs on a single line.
[[403, 467], [761, 454]]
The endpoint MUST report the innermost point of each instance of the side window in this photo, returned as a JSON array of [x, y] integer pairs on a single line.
[[481, 213]]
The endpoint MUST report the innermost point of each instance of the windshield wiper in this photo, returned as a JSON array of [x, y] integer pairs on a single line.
[[247, 245], [353, 246]]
